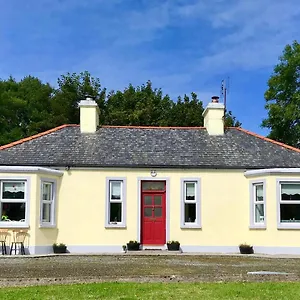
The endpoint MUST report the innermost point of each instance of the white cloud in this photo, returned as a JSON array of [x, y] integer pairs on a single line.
[[254, 32]]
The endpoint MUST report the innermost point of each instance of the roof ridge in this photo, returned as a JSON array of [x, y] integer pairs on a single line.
[[266, 139], [32, 137], [152, 127]]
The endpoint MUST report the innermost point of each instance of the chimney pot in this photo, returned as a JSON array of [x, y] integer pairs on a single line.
[[215, 99], [89, 97]]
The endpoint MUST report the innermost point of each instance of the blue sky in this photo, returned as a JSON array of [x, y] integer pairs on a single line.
[[182, 46]]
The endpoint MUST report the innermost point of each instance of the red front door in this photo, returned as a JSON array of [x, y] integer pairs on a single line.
[[153, 218]]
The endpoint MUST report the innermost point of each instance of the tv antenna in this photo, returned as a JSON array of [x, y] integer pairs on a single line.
[[224, 91]]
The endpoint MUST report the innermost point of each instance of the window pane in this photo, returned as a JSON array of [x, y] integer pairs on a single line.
[[13, 190], [115, 212], [147, 200], [153, 185], [290, 212], [157, 212], [259, 193], [115, 190], [46, 217], [190, 191], [147, 212], [290, 191], [190, 212], [47, 191], [259, 213], [157, 200], [13, 211]]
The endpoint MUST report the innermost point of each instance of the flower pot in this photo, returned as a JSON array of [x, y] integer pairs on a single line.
[[246, 249], [173, 247], [59, 249], [133, 246]]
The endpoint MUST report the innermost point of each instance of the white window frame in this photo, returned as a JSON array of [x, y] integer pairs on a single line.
[[52, 222], [16, 224], [252, 191], [197, 201], [286, 225], [121, 224]]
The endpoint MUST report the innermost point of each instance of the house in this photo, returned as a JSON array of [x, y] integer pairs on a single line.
[[95, 188]]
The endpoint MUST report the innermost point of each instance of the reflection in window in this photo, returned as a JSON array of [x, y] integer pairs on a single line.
[[259, 209], [290, 203], [47, 203], [153, 185], [115, 207], [190, 202], [13, 201]]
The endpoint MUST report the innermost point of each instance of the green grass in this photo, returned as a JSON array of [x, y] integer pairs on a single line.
[[177, 291]]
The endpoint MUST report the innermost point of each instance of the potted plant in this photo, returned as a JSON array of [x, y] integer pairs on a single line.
[[246, 249], [59, 248], [133, 246], [173, 245]]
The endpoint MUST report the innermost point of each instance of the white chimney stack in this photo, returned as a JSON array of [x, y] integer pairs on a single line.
[[214, 117], [89, 115]]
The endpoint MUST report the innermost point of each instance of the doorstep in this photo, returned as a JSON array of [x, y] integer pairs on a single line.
[[153, 247]]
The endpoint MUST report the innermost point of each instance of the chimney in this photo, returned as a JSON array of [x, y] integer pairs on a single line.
[[89, 115], [214, 117]]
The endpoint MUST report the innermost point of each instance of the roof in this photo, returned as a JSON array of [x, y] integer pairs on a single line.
[[165, 147]]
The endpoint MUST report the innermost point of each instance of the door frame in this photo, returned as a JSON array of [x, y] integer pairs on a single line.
[[139, 191]]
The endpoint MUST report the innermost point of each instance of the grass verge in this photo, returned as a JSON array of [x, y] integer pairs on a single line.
[[207, 291]]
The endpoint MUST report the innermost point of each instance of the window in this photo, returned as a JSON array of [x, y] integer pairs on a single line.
[[115, 203], [289, 204], [190, 215], [47, 203], [13, 197], [257, 199]]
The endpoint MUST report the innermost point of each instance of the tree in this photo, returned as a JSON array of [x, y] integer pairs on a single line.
[[31, 106], [24, 108], [143, 105], [71, 89], [283, 98], [187, 112], [231, 121]]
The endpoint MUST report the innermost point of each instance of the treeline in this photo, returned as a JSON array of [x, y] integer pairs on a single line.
[[30, 106]]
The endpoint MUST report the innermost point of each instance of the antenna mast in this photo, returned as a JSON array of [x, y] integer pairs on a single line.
[[225, 91]]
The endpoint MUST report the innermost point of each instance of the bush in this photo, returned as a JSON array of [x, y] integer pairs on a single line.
[[246, 249], [133, 246], [59, 248], [173, 245]]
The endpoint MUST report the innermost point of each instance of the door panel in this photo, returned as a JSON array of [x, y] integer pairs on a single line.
[[153, 218]]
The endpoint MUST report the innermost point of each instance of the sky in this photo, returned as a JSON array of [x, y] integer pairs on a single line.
[[182, 46]]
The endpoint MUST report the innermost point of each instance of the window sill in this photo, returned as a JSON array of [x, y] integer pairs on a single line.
[[47, 226], [13, 225], [289, 226], [191, 226], [109, 226], [257, 227]]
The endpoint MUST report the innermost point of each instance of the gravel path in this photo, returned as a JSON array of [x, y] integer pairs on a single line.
[[23, 271]]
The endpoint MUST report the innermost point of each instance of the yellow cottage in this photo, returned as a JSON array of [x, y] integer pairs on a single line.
[[95, 188]]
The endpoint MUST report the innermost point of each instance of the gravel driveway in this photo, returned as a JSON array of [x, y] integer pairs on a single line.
[[16, 271]]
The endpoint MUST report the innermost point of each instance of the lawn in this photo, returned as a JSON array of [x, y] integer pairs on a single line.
[[177, 291]]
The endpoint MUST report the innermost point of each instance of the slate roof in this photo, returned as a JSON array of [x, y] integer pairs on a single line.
[[149, 147]]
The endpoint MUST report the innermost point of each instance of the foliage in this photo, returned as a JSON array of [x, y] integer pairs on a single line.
[[24, 108], [62, 245], [173, 243], [117, 290], [30, 106], [133, 242], [283, 98], [246, 248]]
